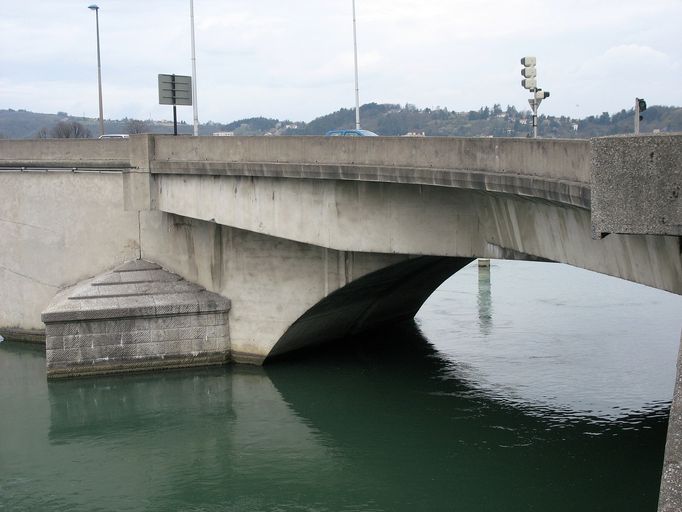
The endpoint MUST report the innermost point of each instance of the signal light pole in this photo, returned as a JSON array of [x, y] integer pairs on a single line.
[[640, 106], [529, 73]]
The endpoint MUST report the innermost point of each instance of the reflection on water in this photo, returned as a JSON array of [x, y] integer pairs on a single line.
[[388, 422], [485, 303], [560, 338]]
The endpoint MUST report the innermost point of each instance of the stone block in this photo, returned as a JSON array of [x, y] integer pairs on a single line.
[[102, 340], [75, 341], [147, 350], [72, 355], [135, 337], [54, 342], [178, 347]]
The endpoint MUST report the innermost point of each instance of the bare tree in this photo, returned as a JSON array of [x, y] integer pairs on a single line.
[[42, 133], [69, 130], [136, 126]]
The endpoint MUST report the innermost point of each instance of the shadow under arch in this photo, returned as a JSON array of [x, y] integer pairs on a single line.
[[383, 297]]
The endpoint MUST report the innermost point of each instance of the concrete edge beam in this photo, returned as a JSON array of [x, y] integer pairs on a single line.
[[563, 191]]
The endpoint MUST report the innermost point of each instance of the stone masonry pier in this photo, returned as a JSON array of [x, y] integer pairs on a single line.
[[137, 317]]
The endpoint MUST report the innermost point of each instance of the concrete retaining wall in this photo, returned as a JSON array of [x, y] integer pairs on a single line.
[[57, 229]]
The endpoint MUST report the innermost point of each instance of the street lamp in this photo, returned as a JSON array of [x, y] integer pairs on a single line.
[[95, 8], [357, 89], [194, 72]]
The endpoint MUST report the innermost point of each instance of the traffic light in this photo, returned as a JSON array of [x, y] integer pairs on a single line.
[[541, 95], [529, 72], [641, 107]]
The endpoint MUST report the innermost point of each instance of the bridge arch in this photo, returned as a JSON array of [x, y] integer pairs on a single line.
[[386, 296]]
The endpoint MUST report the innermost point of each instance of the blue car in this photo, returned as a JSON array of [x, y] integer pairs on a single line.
[[350, 133]]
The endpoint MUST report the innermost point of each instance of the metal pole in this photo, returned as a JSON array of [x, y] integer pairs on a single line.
[[636, 116], [99, 75], [357, 89], [194, 73], [534, 106], [175, 113]]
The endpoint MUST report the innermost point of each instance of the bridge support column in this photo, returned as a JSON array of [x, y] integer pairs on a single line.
[[138, 317], [671, 481], [286, 295]]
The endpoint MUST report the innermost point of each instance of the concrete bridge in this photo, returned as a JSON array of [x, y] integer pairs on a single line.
[[159, 251], [311, 238]]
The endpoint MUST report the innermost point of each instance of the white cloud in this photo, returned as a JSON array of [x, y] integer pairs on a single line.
[[294, 59]]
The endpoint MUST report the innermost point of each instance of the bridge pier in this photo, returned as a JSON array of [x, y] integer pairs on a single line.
[[138, 317], [285, 294], [670, 499]]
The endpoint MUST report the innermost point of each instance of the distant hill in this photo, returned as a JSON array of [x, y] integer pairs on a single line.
[[384, 119]]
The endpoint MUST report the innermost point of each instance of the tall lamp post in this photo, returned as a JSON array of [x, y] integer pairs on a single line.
[[357, 89], [195, 109], [95, 8]]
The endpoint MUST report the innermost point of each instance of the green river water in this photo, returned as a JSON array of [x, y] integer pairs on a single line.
[[538, 387]]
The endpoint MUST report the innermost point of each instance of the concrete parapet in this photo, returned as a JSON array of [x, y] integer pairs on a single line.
[[137, 317], [637, 184], [553, 159], [65, 153]]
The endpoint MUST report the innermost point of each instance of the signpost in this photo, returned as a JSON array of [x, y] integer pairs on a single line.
[[175, 90]]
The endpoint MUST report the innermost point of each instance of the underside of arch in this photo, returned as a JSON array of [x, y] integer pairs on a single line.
[[385, 296]]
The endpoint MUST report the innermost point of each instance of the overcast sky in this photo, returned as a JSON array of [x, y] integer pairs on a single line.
[[294, 59]]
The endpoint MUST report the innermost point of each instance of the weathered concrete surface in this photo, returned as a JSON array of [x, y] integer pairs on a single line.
[[670, 499], [57, 229], [271, 282], [65, 153], [139, 191], [556, 159], [637, 185], [137, 317], [428, 220], [549, 169]]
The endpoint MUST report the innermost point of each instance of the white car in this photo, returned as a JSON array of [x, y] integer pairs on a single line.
[[114, 136]]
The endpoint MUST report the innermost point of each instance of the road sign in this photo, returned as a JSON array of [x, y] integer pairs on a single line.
[[175, 90]]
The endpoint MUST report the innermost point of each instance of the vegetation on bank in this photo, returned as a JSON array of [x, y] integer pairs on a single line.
[[384, 119]]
